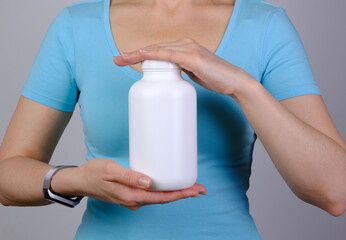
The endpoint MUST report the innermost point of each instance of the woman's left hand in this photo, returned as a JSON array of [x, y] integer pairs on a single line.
[[201, 65]]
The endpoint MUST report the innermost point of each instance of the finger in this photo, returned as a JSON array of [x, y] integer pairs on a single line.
[[118, 173], [178, 56], [128, 59], [200, 188], [193, 77], [138, 56], [174, 45], [133, 197], [134, 208], [150, 197]]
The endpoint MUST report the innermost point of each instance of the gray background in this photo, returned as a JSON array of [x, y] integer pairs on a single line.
[[278, 213]]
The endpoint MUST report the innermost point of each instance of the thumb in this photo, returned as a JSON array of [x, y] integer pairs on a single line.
[[128, 177], [134, 179]]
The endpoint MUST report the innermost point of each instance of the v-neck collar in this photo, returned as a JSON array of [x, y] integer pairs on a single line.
[[138, 75]]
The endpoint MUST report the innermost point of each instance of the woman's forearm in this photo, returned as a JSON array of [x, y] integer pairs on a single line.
[[21, 184], [313, 165], [21, 181]]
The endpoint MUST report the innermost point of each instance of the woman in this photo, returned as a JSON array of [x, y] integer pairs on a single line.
[[252, 79]]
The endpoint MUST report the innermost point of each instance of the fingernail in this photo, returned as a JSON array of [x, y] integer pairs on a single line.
[[144, 182]]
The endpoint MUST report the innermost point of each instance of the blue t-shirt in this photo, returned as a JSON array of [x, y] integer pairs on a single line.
[[75, 65]]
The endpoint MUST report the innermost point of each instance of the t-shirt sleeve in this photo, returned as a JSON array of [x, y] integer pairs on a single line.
[[51, 79], [287, 71]]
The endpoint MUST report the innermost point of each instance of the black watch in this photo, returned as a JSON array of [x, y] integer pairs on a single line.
[[52, 196]]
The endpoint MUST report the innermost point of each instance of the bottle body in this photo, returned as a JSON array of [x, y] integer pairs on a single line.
[[163, 129]]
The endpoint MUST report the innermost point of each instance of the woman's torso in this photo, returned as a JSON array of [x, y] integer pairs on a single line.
[[225, 138], [75, 65]]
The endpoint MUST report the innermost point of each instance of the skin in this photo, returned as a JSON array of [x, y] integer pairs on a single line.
[[311, 157], [203, 20]]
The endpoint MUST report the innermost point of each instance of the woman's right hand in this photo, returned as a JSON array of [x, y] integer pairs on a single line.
[[107, 180]]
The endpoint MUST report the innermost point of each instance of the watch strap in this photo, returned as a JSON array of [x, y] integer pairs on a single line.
[[50, 195]]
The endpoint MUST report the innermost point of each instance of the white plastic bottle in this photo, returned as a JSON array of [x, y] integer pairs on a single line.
[[163, 127]]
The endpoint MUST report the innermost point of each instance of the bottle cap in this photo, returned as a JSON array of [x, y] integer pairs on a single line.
[[158, 64]]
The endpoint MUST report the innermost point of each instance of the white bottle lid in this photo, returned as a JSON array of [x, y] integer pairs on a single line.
[[158, 64]]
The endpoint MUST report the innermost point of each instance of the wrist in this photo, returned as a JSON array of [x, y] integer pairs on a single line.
[[67, 182], [246, 89]]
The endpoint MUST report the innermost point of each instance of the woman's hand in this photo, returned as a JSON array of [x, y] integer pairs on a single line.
[[201, 65], [106, 180]]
